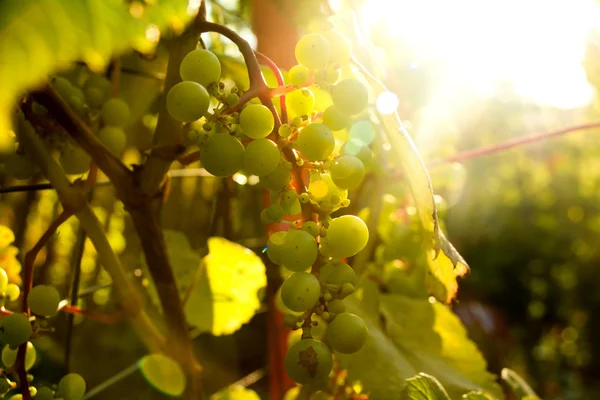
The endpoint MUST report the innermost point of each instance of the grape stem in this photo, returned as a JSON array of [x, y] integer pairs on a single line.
[[27, 285], [277, 72]]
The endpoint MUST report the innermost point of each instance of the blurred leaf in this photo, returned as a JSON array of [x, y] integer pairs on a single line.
[[423, 387], [517, 384], [163, 374], [38, 37], [235, 393], [477, 395]]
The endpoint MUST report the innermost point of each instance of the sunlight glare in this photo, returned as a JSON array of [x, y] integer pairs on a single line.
[[387, 103]]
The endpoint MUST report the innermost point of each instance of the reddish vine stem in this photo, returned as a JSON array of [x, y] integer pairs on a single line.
[[277, 72], [29, 264]]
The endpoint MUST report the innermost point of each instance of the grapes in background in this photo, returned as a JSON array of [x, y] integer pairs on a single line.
[[350, 96], [15, 329], [200, 66], [44, 393], [19, 166], [9, 356], [12, 292], [74, 160], [114, 139], [341, 51], [316, 142], [187, 101], [256, 121], [347, 172], [96, 91], [347, 333], [71, 387], [115, 112], [335, 119], [312, 51], [298, 75], [43, 300], [222, 154]]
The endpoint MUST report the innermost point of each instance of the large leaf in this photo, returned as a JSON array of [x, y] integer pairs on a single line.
[[406, 155], [423, 387], [38, 37], [415, 336]]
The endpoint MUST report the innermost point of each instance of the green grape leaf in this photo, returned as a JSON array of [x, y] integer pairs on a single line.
[[406, 155], [423, 387], [39, 37], [163, 374], [415, 336], [235, 393], [517, 384], [477, 395]]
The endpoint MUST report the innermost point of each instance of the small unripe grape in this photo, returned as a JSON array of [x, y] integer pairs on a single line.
[[300, 291], [347, 172], [187, 101], [291, 321], [115, 112], [347, 333], [256, 121], [71, 387], [312, 51], [12, 292], [346, 290], [15, 329], [285, 130], [335, 119], [350, 96], [9, 356], [275, 212], [44, 393], [232, 99], [3, 280], [298, 75], [74, 160], [336, 306], [114, 139], [300, 102], [304, 198], [289, 197], [308, 360], [312, 228], [43, 300], [5, 386], [316, 142], [201, 66]]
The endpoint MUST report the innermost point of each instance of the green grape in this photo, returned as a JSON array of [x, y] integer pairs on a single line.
[[293, 208], [347, 172], [3, 280], [346, 236], [304, 198], [320, 395], [201, 66], [274, 212], [291, 321], [279, 178], [43, 300], [347, 333], [316, 142], [335, 119], [312, 51], [336, 306], [312, 228], [308, 360], [232, 99], [346, 290], [331, 75], [71, 387], [44, 393], [222, 155], [114, 139], [74, 160], [12, 292], [289, 197], [15, 329], [256, 121], [300, 291], [8, 144], [19, 166], [115, 112], [187, 101], [275, 246], [298, 75], [323, 190], [300, 250], [357, 148], [350, 96], [96, 91], [261, 157], [5, 386], [9, 356], [285, 130], [297, 121], [300, 102], [338, 273], [62, 86], [341, 51], [292, 393]]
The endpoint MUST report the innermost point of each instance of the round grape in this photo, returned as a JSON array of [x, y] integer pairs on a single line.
[[312, 51], [232, 99], [74, 160], [275, 246], [300, 291], [256, 121], [298, 75], [96, 91], [312, 228], [338, 273], [44, 393], [71, 387], [222, 155], [43, 300], [341, 51], [300, 250], [12, 292], [200, 66], [335, 119], [274, 212], [350, 96], [308, 360], [357, 148], [289, 197], [115, 112], [285, 130], [336, 306], [187, 101], [279, 178], [3, 280], [9, 356], [316, 142], [347, 333], [261, 157], [300, 102], [347, 172], [346, 236], [114, 139], [15, 329]]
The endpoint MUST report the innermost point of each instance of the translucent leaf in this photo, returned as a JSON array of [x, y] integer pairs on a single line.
[[39, 37], [163, 374], [423, 387], [235, 393]]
